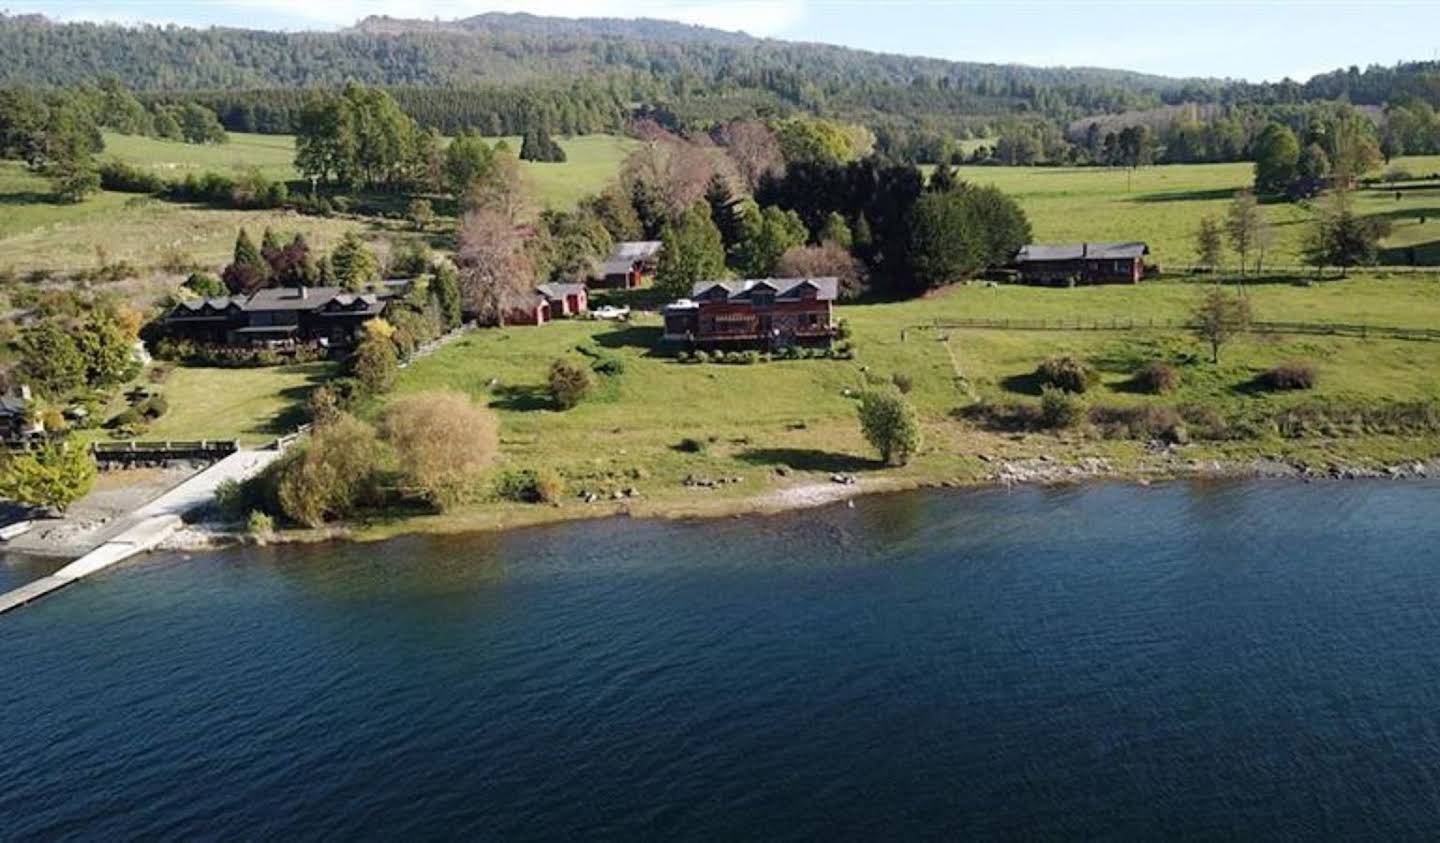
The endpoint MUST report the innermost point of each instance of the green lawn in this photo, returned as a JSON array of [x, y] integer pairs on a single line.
[[1163, 205], [252, 405]]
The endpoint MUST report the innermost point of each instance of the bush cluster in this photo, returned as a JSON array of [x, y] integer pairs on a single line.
[[1068, 373], [1289, 376], [228, 357], [1060, 409], [528, 485], [1157, 379]]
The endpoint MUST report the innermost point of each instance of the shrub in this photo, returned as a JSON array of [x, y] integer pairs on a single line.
[[684, 357], [154, 407], [527, 485], [608, 364], [842, 330], [701, 356], [570, 382], [1157, 379], [260, 525], [330, 475], [128, 418], [375, 364], [890, 425], [1145, 421], [443, 442], [902, 382], [1059, 408], [322, 406], [1289, 376], [1068, 373], [691, 445]]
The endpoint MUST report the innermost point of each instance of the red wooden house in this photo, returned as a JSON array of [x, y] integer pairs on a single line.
[[767, 313], [630, 263], [565, 299]]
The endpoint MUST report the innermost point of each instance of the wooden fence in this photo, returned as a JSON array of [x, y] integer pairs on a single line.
[[1337, 329], [117, 454]]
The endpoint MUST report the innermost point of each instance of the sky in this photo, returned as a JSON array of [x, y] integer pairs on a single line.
[[1255, 40]]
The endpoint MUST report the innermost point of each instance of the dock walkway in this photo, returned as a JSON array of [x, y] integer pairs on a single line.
[[146, 527]]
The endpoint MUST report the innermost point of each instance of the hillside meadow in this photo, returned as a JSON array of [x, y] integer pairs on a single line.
[[37, 233]]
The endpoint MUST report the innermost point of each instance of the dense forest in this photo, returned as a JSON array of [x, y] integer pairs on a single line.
[[507, 74]]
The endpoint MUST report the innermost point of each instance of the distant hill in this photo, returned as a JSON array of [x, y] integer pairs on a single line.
[[493, 49], [580, 75]]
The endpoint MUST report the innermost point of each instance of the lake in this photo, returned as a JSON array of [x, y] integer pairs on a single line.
[[1256, 660]]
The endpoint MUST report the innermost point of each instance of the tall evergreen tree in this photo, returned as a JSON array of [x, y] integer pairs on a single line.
[[693, 252]]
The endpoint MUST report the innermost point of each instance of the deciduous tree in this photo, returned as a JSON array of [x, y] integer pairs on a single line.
[[891, 425], [443, 442], [1219, 318]]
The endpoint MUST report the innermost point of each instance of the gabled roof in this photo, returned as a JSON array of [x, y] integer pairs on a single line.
[[627, 253], [826, 289], [560, 291], [1081, 251]]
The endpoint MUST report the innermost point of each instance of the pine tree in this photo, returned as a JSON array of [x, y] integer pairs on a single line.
[[837, 231], [722, 204], [248, 271]]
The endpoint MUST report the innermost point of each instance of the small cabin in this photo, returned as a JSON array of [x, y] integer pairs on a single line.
[[1069, 264], [565, 299], [630, 265]]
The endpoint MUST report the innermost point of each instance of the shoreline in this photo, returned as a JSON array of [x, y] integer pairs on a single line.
[[1041, 471]]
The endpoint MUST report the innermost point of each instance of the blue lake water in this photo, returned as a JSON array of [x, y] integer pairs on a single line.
[[1253, 660]]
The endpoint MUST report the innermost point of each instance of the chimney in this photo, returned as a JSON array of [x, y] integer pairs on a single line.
[[1084, 250], [23, 391], [304, 292]]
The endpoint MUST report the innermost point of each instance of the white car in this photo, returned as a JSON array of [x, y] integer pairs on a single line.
[[611, 312]]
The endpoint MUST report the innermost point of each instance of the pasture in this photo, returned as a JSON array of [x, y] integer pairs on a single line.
[[1163, 206]]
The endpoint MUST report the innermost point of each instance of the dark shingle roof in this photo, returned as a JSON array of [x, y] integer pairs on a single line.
[[560, 291], [1079, 251], [826, 289]]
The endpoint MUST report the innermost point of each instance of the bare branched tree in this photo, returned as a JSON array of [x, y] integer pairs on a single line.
[[496, 276]]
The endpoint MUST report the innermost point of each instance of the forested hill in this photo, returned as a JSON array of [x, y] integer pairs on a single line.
[[506, 49]]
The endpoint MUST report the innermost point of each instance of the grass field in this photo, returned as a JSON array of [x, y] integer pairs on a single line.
[[36, 233], [796, 413], [1163, 206], [273, 155]]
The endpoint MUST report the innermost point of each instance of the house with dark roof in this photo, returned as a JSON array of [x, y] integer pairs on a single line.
[[280, 317], [629, 264], [766, 313], [1066, 264]]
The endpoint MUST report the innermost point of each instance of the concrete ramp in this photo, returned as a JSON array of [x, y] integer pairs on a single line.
[[151, 524]]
